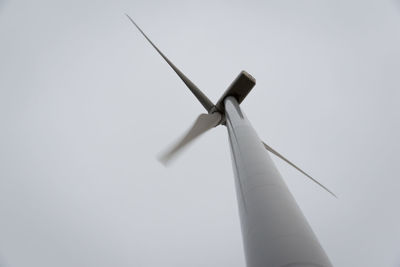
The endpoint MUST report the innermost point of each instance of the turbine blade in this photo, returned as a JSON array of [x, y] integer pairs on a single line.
[[273, 151], [203, 123], [207, 104]]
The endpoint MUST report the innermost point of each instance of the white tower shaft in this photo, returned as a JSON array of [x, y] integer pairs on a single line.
[[275, 232]]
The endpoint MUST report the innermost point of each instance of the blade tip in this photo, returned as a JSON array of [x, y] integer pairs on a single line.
[[129, 17], [164, 160]]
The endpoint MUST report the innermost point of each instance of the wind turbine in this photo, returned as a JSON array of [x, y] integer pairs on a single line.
[[275, 232]]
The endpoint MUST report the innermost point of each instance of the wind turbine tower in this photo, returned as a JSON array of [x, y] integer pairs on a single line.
[[275, 231]]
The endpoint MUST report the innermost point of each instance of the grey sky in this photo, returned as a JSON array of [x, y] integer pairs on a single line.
[[86, 104]]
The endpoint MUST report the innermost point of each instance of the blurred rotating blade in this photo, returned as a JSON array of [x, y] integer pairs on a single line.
[[273, 151], [203, 99], [203, 123]]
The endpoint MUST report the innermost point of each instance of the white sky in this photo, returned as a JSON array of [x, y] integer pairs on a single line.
[[86, 105]]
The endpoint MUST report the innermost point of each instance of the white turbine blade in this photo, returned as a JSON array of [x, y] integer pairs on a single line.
[[203, 123], [273, 151], [203, 99]]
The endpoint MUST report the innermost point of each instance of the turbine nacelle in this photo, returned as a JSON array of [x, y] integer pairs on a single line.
[[239, 89]]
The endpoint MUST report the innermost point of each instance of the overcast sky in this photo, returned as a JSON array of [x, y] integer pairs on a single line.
[[86, 105]]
